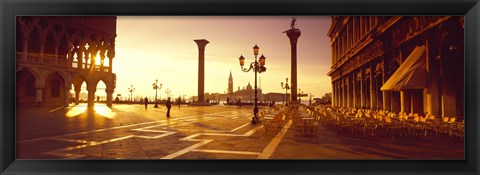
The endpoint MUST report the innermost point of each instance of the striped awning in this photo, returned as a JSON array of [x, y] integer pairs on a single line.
[[411, 74]]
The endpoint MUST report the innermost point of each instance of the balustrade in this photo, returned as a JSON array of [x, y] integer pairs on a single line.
[[52, 60]]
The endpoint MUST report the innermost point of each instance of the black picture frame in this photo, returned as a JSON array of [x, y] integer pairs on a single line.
[[10, 9]]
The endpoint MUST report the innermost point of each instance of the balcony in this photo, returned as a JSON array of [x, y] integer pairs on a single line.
[[48, 60]]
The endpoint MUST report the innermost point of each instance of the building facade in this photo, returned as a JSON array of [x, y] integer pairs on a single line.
[[57, 53], [412, 64]]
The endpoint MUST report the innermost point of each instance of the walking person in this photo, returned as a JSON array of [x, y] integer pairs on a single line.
[[168, 104], [239, 103], [146, 102], [179, 101]]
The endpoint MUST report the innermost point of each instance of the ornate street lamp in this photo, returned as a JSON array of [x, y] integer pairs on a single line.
[[131, 89], [286, 87], [156, 86], [258, 67]]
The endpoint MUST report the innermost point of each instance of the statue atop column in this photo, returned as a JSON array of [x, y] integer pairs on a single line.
[[292, 24]]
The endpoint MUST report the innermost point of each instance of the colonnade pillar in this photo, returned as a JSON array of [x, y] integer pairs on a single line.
[[405, 101], [348, 92], [67, 95], [39, 95], [362, 93], [77, 95], [91, 95], [109, 92], [354, 90], [333, 94], [372, 90]]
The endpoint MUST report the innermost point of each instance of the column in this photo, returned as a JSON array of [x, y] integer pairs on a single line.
[[39, 95], [337, 103], [348, 92], [345, 94], [405, 101], [449, 105], [354, 90], [339, 94], [110, 60], [67, 95], [109, 92], [77, 95], [42, 48], [417, 101], [333, 94], [102, 63], [69, 54], [57, 43], [387, 105], [293, 34], [378, 92], [111, 55], [87, 57], [386, 101], [433, 90], [395, 101], [80, 58], [25, 47], [201, 43], [91, 95], [371, 89], [362, 94], [342, 93]]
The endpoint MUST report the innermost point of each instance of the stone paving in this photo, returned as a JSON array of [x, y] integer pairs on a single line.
[[215, 132]]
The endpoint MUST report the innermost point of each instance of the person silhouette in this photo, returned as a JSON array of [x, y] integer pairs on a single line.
[[146, 102], [179, 101], [168, 104]]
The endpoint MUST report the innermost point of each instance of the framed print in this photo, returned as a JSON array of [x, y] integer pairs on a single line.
[[240, 87]]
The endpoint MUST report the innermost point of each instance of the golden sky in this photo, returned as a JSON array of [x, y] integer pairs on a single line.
[[162, 47]]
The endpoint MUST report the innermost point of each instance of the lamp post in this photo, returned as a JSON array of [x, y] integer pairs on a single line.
[[286, 87], [258, 67], [131, 89], [156, 86]]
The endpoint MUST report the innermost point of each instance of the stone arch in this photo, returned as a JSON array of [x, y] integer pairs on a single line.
[[25, 87], [32, 71], [77, 82], [54, 92], [100, 92]]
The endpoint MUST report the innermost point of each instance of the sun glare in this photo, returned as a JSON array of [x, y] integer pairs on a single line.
[[76, 110], [99, 109]]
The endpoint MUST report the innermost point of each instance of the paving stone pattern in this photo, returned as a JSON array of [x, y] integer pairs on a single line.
[[215, 132]]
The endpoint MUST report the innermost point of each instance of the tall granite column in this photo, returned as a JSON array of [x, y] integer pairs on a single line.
[[293, 34], [201, 71]]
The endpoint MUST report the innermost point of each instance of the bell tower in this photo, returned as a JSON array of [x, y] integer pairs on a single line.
[[230, 83]]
